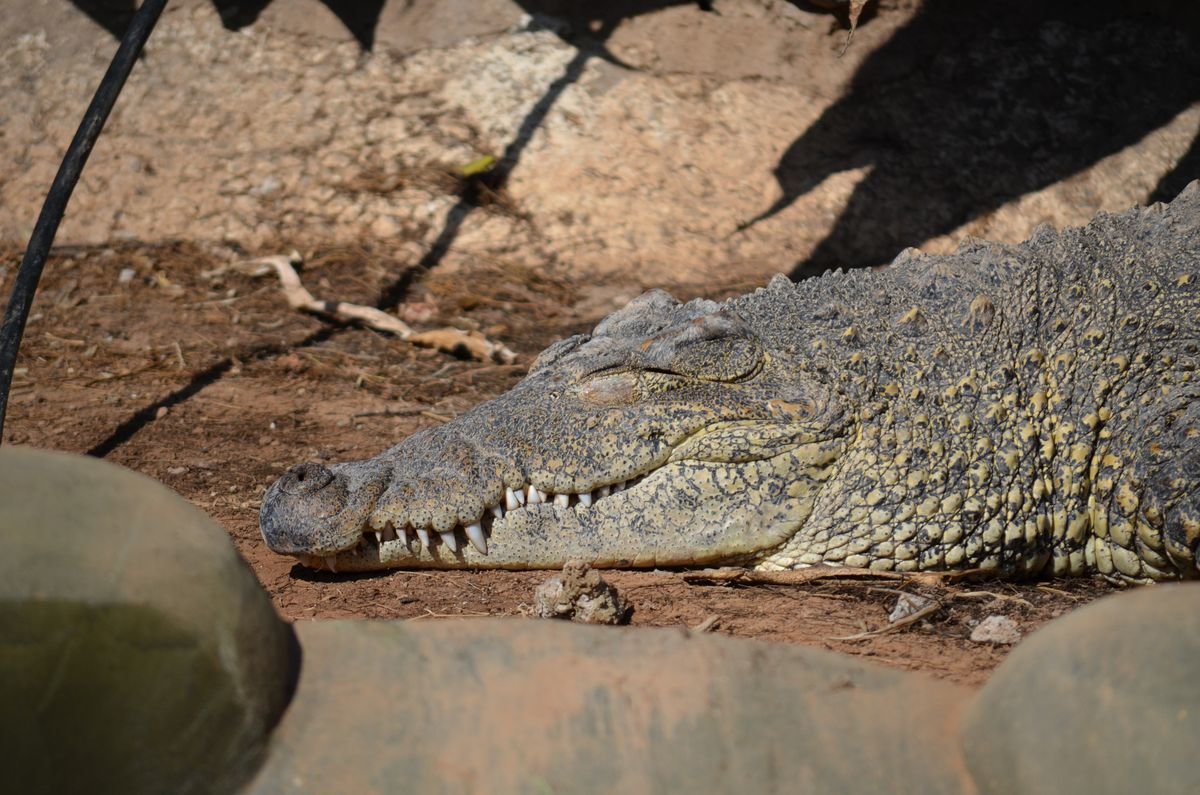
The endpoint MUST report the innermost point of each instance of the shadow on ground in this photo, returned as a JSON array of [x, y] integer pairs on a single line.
[[966, 108], [577, 21], [972, 105], [360, 17]]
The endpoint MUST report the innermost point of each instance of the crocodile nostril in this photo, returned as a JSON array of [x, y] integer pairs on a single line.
[[305, 479]]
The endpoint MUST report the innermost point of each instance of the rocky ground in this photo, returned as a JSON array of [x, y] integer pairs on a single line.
[[521, 169]]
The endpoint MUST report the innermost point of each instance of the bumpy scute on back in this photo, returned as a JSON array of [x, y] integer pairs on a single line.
[[1029, 409]]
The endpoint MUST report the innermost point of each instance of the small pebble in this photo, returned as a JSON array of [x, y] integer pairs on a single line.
[[1001, 630]]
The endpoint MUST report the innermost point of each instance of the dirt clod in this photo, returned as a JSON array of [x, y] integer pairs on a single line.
[[581, 594]]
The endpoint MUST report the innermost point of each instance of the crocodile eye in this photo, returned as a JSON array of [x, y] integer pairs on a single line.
[[714, 347], [617, 389]]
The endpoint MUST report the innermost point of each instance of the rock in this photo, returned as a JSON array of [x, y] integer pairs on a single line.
[[1104, 700], [138, 653], [580, 594], [1000, 630], [479, 705]]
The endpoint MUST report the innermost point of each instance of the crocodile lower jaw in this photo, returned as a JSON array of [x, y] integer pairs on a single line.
[[374, 544]]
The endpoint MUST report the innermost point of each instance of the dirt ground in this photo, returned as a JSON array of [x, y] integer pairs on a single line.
[[643, 168], [205, 381]]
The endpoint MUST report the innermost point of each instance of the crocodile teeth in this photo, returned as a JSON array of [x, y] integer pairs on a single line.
[[331, 562], [475, 533], [513, 499]]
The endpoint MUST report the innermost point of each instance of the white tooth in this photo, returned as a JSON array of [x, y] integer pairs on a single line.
[[585, 499], [423, 534], [331, 562], [449, 540], [389, 533], [511, 501], [534, 496], [618, 487], [475, 533], [498, 511], [562, 500], [379, 539], [603, 491], [520, 495]]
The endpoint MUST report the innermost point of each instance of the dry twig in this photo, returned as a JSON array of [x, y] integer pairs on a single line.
[[999, 597], [1058, 592], [911, 618], [449, 340]]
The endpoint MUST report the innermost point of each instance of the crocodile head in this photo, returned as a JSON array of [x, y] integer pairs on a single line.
[[672, 435]]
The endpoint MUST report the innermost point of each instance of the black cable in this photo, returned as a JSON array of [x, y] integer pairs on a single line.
[[55, 205]]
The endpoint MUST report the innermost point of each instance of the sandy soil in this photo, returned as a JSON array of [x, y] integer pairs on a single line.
[[654, 145]]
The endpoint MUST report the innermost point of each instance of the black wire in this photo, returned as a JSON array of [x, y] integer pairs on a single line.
[[55, 205]]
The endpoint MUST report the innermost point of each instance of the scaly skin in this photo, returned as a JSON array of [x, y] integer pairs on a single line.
[[1027, 409]]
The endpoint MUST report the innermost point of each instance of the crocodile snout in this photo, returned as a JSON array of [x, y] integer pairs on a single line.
[[318, 510]]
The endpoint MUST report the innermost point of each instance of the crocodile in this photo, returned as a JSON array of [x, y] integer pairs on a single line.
[[1029, 410]]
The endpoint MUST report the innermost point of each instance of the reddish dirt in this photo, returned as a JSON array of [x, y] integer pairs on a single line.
[[207, 382]]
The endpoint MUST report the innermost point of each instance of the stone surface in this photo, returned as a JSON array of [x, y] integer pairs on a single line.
[[1104, 700], [138, 653], [516, 706], [935, 123]]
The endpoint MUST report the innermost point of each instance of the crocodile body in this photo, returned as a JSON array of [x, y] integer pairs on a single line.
[[1028, 409]]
